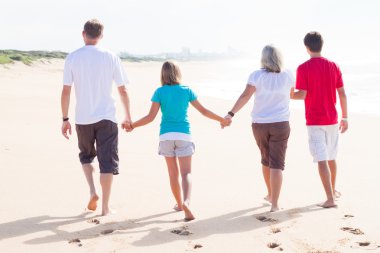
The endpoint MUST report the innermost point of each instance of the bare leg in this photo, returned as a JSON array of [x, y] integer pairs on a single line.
[[333, 171], [266, 174], [106, 183], [324, 173], [171, 162], [88, 170], [185, 166], [275, 184]]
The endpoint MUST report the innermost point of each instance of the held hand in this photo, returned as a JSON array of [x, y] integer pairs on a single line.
[[226, 122], [66, 129], [292, 93], [343, 126], [127, 126]]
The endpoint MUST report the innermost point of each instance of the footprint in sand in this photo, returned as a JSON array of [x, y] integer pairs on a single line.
[[107, 231], [274, 245], [197, 246], [182, 231], [348, 216], [77, 241], [275, 230], [95, 221], [266, 219], [365, 245], [355, 231]]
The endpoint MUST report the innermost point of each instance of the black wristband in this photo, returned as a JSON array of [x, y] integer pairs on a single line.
[[231, 113], [65, 119]]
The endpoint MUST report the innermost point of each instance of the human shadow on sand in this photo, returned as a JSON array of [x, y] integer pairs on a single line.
[[37, 224], [47, 223], [234, 222], [51, 224]]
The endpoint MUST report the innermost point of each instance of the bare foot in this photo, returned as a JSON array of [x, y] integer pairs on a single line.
[[108, 212], [188, 214], [177, 208], [328, 204], [337, 194], [267, 198], [274, 208], [92, 205]]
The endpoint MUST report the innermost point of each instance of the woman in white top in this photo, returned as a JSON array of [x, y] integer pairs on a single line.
[[270, 117]]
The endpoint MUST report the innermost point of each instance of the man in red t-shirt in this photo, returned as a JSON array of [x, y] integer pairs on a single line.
[[317, 82]]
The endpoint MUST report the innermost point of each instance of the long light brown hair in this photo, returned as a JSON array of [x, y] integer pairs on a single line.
[[170, 74]]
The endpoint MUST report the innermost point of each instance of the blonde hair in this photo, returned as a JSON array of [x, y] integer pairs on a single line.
[[271, 59], [170, 74]]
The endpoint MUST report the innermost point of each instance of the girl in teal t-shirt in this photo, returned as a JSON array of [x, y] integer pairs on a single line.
[[175, 137]]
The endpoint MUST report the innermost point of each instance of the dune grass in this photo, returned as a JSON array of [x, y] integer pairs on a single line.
[[28, 57]]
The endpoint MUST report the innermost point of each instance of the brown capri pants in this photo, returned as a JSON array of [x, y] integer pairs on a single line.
[[103, 134], [272, 140]]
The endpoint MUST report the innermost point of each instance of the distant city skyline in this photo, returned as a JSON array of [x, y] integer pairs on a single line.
[[153, 27]]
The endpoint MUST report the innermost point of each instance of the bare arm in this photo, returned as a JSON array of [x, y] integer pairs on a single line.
[[343, 104], [65, 102], [298, 95], [207, 113], [244, 98], [155, 107], [125, 101]]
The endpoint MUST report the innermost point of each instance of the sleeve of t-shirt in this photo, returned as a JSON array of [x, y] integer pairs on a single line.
[[252, 79], [192, 95], [68, 78], [290, 78], [301, 79], [156, 97], [339, 81], [119, 75]]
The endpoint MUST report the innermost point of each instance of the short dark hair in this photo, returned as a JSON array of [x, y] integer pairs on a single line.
[[314, 41], [93, 28]]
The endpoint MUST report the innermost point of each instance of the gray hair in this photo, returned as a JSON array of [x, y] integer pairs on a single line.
[[271, 59]]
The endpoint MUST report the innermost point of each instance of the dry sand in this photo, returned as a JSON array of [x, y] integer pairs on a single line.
[[44, 193]]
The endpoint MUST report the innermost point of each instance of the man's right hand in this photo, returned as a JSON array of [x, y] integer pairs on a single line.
[[66, 129], [127, 126]]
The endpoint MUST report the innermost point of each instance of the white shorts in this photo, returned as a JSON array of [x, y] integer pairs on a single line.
[[323, 142], [176, 148]]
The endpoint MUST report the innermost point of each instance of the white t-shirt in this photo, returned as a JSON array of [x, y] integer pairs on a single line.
[[272, 95], [92, 71]]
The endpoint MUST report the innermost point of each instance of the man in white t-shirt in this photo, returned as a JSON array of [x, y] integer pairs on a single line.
[[92, 71]]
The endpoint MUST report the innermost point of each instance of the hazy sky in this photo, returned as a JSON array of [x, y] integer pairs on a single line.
[[350, 27]]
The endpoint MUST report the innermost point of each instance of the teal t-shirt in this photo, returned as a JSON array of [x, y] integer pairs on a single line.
[[174, 101]]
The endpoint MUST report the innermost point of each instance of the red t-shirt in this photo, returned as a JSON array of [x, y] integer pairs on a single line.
[[320, 78]]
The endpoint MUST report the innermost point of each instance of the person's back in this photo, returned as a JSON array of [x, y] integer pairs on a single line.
[[320, 77], [174, 101], [93, 70], [272, 96], [318, 80]]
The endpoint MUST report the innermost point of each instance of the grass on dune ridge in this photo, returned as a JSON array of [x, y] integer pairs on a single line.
[[27, 57]]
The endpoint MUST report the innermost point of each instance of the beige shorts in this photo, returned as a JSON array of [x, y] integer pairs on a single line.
[[323, 142], [176, 148]]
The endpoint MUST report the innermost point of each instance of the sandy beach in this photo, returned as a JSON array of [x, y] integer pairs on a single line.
[[44, 192]]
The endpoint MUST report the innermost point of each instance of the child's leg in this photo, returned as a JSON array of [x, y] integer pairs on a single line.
[[266, 174], [324, 173], [275, 184], [171, 162], [185, 166]]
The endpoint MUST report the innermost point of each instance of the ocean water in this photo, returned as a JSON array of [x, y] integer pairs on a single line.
[[227, 79]]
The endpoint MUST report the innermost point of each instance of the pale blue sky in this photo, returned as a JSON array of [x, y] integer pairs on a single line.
[[350, 27]]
